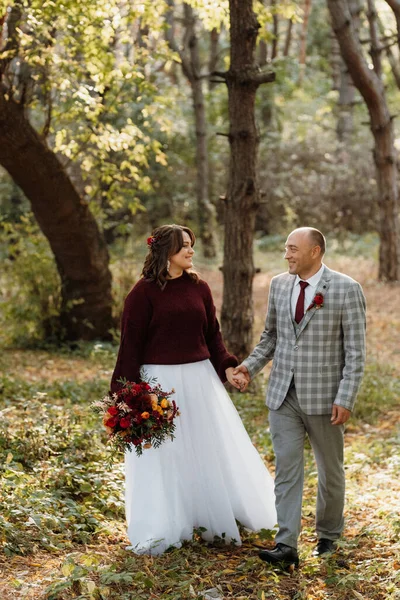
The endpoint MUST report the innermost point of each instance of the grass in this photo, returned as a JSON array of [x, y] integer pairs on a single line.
[[60, 506], [62, 525]]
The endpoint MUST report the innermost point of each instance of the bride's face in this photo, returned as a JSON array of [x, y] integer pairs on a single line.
[[183, 259]]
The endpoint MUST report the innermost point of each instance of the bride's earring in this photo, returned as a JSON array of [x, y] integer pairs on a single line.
[[168, 265]]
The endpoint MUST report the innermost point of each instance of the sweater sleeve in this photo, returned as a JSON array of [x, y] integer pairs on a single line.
[[219, 356], [134, 326]]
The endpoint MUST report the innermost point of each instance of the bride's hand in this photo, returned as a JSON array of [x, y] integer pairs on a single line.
[[242, 377], [239, 381], [233, 381]]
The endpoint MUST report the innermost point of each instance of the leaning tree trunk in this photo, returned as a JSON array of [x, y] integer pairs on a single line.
[[242, 199], [78, 246], [372, 90]]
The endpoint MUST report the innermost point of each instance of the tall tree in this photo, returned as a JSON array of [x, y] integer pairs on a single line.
[[214, 55], [346, 101], [375, 48], [303, 38], [392, 59], [190, 61], [275, 30], [288, 37], [395, 6], [371, 88], [242, 199]]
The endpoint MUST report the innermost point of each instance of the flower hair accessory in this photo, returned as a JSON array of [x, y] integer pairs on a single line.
[[151, 241], [318, 302]]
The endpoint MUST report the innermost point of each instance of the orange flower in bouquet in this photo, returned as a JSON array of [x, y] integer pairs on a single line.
[[138, 416]]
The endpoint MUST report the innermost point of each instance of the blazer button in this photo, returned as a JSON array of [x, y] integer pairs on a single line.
[[295, 347], [292, 370]]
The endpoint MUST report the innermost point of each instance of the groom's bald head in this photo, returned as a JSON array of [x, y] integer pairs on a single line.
[[313, 236]]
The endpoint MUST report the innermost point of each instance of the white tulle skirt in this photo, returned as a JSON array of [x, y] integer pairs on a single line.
[[209, 476]]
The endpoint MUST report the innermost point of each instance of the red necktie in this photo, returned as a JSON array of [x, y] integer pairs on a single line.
[[300, 302]]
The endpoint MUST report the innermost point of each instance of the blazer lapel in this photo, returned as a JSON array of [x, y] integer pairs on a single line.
[[288, 301], [322, 288]]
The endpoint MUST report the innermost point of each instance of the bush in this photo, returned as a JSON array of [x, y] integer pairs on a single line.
[[30, 292], [304, 184]]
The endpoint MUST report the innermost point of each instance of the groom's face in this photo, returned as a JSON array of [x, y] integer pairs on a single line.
[[299, 252]]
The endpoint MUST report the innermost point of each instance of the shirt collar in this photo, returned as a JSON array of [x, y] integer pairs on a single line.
[[314, 280]]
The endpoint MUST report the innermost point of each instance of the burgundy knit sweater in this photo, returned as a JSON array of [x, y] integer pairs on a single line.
[[172, 326]]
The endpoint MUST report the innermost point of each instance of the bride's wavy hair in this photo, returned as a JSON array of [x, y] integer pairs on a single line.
[[164, 242]]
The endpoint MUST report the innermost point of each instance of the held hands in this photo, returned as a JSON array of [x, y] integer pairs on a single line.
[[237, 381], [239, 377], [339, 415]]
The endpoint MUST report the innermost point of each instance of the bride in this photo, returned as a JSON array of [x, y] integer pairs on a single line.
[[210, 476]]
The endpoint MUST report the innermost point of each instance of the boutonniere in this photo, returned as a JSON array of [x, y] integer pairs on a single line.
[[317, 302]]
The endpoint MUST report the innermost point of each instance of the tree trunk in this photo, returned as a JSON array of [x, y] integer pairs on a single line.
[[213, 60], [372, 90], [375, 50], [206, 210], [78, 246], [336, 62], [345, 123], [395, 6], [262, 53], [303, 38], [190, 60], [288, 38], [394, 63], [275, 31], [242, 200]]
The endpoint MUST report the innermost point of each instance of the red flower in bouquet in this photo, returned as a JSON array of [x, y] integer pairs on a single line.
[[318, 302], [139, 416], [125, 422]]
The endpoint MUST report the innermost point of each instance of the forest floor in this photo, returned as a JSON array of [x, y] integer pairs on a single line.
[[62, 523]]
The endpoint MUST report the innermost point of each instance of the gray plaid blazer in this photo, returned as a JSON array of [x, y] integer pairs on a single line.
[[324, 353]]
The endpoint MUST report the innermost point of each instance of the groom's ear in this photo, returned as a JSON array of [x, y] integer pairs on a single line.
[[316, 251]]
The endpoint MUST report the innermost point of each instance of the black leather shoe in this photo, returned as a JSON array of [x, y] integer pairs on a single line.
[[324, 546], [280, 555]]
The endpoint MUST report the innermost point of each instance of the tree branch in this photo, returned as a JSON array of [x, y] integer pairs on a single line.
[[222, 74], [263, 77]]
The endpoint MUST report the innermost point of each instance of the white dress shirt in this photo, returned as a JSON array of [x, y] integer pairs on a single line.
[[309, 290]]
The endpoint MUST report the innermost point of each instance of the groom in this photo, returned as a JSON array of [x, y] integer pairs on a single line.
[[315, 334]]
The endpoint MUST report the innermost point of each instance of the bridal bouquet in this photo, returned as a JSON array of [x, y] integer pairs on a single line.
[[138, 416]]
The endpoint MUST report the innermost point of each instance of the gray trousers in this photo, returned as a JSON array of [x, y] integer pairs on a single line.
[[289, 426]]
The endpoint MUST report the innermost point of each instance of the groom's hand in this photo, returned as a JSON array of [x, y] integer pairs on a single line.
[[242, 376], [339, 415], [232, 380]]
